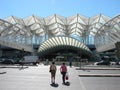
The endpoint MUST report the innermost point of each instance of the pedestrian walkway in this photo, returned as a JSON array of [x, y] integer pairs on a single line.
[[37, 78]]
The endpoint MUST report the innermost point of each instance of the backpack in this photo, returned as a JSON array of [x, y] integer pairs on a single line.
[[52, 67]]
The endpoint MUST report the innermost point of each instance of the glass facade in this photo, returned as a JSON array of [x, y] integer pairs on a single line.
[[99, 30]]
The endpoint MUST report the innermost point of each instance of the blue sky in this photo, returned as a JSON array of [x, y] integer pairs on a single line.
[[44, 8]]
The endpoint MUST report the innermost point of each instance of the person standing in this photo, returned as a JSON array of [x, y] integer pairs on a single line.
[[63, 70], [53, 72], [70, 61]]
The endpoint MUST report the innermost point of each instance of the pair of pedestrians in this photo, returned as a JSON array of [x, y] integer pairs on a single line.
[[63, 71]]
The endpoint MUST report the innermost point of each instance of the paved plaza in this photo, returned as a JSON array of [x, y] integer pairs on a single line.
[[38, 78]]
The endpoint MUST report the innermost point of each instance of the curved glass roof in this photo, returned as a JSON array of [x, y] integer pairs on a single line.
[[62, 42], [55, 25], [108, 35], [35, 30]]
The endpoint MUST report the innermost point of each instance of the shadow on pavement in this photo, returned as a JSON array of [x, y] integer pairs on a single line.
[[54, 85], [3, 72], [67, 84]]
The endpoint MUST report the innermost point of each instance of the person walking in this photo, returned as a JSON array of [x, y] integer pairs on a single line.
[[63, 70], [53, 72]]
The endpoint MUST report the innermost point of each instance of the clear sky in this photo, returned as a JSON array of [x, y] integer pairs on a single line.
[[44, 8]]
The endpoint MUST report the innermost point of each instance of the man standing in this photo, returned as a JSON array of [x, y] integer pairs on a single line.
[[53, 72]]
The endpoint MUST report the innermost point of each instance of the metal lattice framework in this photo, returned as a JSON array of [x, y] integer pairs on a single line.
[[35, 30], [13, 36], [108, 35]]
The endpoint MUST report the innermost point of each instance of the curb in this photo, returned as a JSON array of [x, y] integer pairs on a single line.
[[14, 67], [98, 69], [99, 75]]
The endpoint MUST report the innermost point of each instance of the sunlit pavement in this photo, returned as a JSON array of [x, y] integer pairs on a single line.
[[38, 78]]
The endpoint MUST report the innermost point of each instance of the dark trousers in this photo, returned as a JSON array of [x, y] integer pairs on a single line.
[[63, 76]]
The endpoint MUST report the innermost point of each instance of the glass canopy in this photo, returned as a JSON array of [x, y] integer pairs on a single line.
[[108, 35], [35, 30], [40, 29]]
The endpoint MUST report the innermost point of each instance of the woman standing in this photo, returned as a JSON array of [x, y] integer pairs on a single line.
[[63, 70], [53, 72]]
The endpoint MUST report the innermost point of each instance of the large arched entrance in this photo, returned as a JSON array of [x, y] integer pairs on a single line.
[[63, 46]]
